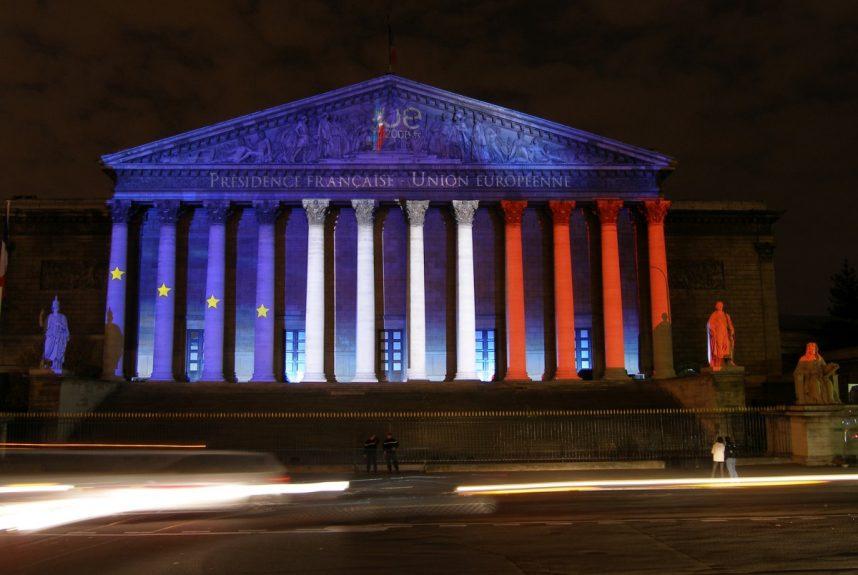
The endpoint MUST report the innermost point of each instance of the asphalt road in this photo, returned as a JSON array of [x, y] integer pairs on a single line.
[[415, 525]]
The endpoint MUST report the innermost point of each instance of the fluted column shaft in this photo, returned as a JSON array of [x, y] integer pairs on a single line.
[[365, 320], [314, 359], [564, 301], [416, 210], [165, 304], [217, 213], [515, 324], [114, 314], [466, 357], [662, 337], [612, 298], [263, 328]]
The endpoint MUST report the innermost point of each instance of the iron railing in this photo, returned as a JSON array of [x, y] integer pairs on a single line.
[[312, 438]]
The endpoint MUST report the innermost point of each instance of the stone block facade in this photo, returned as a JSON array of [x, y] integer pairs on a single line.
[[724, 251], [716, 251]]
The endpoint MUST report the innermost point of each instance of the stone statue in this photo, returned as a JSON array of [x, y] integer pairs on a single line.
[[815, 381], [722, 338], [56, 338]]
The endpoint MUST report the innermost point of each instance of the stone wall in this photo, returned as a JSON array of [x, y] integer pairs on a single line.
[[724, 251], [57, 248]]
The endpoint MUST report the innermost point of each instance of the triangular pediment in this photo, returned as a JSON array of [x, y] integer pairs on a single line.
[[386, 121]]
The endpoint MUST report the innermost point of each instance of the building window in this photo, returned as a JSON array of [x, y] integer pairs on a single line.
[[293, 350], [486, 354], [194, 354], [390, 353], [582, 345]]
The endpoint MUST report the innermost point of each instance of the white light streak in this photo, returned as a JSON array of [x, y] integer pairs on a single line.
[[36, 515]]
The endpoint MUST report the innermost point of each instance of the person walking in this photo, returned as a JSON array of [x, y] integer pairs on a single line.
[[718, 449], [370, 453], [390, 446], [731, 452]]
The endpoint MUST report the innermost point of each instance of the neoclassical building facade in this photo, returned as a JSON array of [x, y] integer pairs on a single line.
[[390, 231]]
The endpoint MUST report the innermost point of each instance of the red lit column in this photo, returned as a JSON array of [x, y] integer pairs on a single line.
[[564, 303], [612, 298], [662, 338], [515, 329]]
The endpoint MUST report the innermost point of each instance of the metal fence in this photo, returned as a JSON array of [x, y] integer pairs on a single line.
[[426, 437]]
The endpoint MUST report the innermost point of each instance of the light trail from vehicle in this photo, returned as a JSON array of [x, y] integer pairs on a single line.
[[629, 484], [95, 503]]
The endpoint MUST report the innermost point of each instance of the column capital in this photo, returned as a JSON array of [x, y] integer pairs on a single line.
[[364, 211], [315, 211], [416, 211], [120, 211], [167, 211], [266, 211], [656, 210], [217, 211], [464, 211], [513, 210], [561, 211], [608, 210]]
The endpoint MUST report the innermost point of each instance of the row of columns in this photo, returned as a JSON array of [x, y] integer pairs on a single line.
[[464, 210]]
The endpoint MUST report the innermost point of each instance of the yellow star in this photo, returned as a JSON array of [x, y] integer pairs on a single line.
[[213, 301], [163, 290], [262, 311], [116, 273]]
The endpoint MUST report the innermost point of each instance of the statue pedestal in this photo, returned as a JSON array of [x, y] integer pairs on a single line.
[[816, 433], [45, 389], [728, 385]]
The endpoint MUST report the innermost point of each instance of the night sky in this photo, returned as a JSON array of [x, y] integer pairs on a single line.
[[756, 100]]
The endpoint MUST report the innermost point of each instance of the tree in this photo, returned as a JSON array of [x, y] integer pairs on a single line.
[[842, 328]]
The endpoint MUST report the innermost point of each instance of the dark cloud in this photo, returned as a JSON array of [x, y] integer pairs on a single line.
[[757, 100]]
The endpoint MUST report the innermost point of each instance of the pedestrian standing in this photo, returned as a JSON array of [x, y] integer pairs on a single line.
[[731, 452], [718, 449], [390, 446], [370, 453]]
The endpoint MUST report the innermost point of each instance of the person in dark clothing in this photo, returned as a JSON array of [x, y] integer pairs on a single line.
[[731, 452], [390, 446], [370, 453]]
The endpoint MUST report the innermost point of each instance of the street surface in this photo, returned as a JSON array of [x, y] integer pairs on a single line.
[[417, 524]]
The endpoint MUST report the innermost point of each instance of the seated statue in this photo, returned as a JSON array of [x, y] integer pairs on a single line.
[[815, 381]]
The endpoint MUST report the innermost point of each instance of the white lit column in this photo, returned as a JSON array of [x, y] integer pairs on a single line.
[[416, 210], [466, 325], [314, 359], [365, 324]]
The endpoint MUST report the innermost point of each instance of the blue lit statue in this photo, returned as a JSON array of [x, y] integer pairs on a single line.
[[56, 338]]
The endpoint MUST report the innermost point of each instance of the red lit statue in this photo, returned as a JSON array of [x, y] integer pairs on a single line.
[[722, 338], [815, 381]]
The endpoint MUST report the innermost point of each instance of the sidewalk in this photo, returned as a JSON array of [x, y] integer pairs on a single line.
[[749, 467]]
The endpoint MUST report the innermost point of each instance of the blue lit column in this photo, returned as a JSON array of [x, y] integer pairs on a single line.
[[314, 342], [216, 212], [263, 331], [165, 278], [114, 313]]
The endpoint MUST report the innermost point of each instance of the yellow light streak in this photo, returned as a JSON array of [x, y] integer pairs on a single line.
[[678, 483]]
